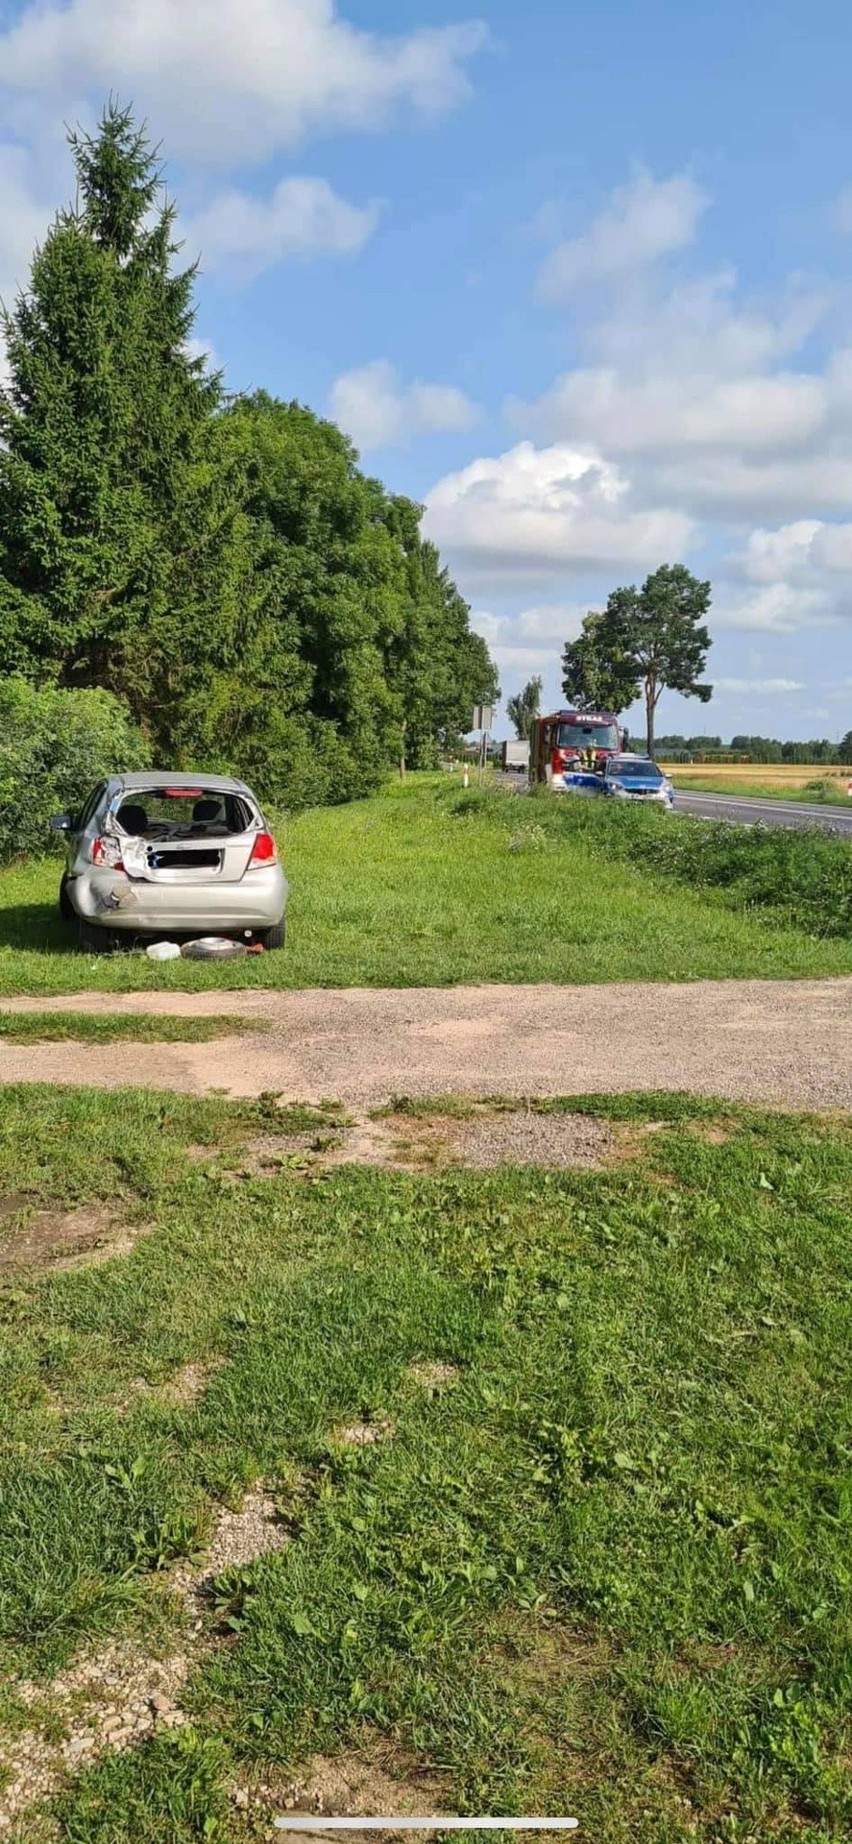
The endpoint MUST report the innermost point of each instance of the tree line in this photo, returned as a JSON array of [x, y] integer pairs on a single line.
[[221, 565], [761, 748]]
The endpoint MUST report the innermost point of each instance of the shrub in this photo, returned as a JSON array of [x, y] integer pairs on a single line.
[[54, 746], [805, 876]]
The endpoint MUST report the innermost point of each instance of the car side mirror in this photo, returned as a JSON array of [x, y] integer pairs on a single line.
[[61, 822]]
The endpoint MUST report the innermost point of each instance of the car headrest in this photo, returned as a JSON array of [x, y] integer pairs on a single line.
[[133, 819], [206, 811]]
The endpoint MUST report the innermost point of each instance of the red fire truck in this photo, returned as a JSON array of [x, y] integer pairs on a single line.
[[568, 743]]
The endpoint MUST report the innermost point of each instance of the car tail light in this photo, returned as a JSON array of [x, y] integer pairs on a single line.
[[264, 850], [107, 852]]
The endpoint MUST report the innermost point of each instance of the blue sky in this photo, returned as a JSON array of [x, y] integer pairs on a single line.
[[576, 277]]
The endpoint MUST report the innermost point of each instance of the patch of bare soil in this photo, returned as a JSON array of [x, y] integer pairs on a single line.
[[108, 1701], [434, 1376], [712, 1132], [188, 1384], [352, 1784], [242, 1537], [114, 1698], [527, 1138], [182, 1390], [488, 1136], [368, 1142], [362, 1433], [269, 1154], [60, 1239]]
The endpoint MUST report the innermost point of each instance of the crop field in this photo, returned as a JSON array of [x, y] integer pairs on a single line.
[[778, 780]]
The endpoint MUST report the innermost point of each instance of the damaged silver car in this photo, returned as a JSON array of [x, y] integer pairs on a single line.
[[171, 856]]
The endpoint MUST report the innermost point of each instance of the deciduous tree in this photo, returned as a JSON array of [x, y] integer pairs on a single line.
[[598, 671], [523, 709], [658, 632]]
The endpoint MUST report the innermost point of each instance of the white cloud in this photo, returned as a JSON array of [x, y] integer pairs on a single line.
[[529, 643], [797, 575], [203, 349], [643, 221], [302, 217], [702, 392], [24, 218], [544, 513], [656, 413], [832, 548], [777, 608], [799, 552], [733, 488], [772, 556], [241, 78], [747, 687], [373, 405], [546, 625]]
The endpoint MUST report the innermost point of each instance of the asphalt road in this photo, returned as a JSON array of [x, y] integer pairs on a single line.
[[741, 808], [748, 811]]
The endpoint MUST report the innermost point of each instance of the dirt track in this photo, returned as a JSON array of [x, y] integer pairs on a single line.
[[787, 1042]]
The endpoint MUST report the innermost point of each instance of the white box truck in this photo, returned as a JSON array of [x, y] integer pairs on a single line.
[[516, 756]]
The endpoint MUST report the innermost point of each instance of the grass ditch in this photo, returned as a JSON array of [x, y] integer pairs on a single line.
[[790, 878], [606, 1572]]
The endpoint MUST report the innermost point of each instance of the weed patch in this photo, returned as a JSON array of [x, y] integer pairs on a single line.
[[598, 1561]]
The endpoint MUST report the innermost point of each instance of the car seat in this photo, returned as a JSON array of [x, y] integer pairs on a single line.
[[207, 814], [133, 820]]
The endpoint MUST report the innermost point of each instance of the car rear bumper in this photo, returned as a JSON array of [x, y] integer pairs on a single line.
[[138, 907]]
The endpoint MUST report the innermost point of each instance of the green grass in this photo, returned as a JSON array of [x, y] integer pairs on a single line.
[[416, 888], [118, 1027], [607, 1572]]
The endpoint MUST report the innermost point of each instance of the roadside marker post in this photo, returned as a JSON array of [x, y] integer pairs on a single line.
[[483, 718]]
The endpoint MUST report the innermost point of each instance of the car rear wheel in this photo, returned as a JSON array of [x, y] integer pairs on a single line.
[[276, 937], [95, 940]]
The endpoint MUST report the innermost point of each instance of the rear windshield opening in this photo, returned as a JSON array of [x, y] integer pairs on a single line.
[[157, 814]]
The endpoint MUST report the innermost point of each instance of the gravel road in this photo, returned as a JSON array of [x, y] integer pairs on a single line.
[[784, 1042]]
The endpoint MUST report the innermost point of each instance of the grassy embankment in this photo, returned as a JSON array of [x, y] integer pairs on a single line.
[[424, 886], [602, 1571]]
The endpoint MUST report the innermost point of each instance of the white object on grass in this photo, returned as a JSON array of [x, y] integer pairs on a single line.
[[316, 1822], [163, 950]]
